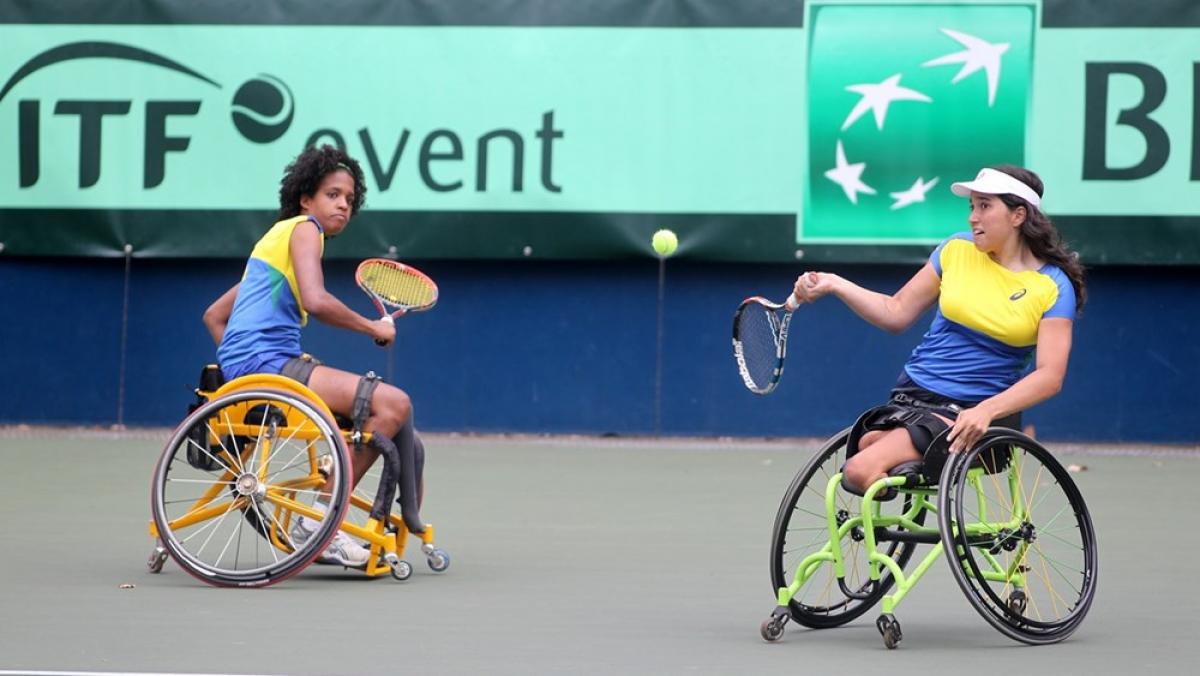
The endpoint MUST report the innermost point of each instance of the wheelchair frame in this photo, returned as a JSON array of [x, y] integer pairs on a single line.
[[993, 526], [241, 449]]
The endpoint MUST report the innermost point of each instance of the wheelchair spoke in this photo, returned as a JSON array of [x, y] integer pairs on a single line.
[[236, 457], [279, 445], [212, 457], [216, 526], [263, 517], [209, 482], [234, 535], [292, 464]]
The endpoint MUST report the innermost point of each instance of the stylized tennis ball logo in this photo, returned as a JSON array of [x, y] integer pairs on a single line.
[[263, 108]]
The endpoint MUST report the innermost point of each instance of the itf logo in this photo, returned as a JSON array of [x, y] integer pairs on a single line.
[[262, 110], [903, 100]]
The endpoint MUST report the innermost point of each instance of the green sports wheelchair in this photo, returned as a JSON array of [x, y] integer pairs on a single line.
[[1020, 540]]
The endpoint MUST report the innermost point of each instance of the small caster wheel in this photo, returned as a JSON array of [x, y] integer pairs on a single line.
[[401, 570], [1018, 602], [889, 628], [771, 629], [157, 558], [438, 560]]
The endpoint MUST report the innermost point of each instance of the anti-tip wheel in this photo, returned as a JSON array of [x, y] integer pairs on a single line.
[[157, 558], [889, 628], [771, 629], [402, 570], [438, 560]]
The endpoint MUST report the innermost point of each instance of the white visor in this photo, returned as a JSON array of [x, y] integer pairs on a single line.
[[992, 182]]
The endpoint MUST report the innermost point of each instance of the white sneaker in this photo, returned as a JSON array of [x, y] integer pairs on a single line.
[[341, 551]]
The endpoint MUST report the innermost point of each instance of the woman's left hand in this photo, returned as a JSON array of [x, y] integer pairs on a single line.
[[969, 428]]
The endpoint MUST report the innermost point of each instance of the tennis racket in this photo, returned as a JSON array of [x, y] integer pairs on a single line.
[[760, 330], [395, 288]]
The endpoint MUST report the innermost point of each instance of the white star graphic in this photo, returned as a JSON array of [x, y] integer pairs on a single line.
[[914, 194], [978, 54], [877, 97], [847, 176]]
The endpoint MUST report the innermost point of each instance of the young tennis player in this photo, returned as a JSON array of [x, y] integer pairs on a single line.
[[256, 324], [1007, 293]]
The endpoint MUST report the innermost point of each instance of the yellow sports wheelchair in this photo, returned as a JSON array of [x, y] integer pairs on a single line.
[[1011, 521], [253, 457]]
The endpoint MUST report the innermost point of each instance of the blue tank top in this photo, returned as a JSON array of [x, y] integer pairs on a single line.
[[264, 329]]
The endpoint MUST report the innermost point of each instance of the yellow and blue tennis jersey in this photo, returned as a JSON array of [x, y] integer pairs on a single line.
[[264, 328], [984, 332]]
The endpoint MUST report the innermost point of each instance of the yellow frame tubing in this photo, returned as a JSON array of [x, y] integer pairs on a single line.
[[374, 532]]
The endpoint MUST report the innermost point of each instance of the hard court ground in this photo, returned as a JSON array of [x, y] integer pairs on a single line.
[[570, 556]]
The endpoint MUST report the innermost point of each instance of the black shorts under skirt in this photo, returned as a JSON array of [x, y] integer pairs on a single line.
[[917, 410]]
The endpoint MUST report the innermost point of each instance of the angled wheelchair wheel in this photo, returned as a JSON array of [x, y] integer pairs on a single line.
[[801, 530], [236, 476], [1019, 537]]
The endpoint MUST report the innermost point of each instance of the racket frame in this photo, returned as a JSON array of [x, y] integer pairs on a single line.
[[384, 305], [779, 330]]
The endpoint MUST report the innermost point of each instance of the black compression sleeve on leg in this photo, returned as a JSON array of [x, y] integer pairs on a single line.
[[387, 477], [410, 477]]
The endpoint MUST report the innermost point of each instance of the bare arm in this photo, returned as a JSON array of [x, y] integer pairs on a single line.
[[1045, 381], [894, 313], [306, 261], [216, 317]]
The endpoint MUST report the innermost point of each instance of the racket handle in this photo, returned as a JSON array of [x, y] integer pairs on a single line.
[[792, 302], [389, 320]]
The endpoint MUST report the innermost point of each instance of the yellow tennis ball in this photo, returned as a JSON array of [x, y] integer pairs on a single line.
[[664, 242]]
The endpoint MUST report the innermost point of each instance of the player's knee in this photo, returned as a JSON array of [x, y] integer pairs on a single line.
[[392, 408], [869, 438], [859, 472]]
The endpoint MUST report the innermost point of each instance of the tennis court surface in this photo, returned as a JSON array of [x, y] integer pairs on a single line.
[[570, 556]]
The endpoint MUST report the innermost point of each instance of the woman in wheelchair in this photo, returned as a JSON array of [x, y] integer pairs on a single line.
[[1007, 293], [256, 325]]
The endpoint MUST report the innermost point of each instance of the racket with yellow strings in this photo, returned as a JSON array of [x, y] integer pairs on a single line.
[[395, 288]]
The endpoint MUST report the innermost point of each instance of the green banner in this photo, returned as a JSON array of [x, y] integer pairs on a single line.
[[833, 136]]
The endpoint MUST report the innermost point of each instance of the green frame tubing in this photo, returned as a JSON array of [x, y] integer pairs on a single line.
[[871, 518]]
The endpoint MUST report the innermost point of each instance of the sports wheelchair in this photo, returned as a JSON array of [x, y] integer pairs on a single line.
[[247, 462], [1020, 538]]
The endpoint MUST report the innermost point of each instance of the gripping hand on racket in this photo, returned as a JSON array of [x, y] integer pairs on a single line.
[[812, 285]]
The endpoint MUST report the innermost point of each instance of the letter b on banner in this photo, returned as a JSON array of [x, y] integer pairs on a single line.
[[1095, 134]]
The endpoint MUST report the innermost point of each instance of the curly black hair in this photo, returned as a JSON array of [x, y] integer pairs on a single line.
[[304, 175]]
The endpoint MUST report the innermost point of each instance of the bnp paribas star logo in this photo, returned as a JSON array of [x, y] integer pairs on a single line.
[[903, 100]]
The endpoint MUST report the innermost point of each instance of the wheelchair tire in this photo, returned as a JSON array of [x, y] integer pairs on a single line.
[[800, 530], [214, 523], [1028, 518]]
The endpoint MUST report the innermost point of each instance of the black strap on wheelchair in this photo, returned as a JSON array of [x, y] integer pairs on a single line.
[[904, 400], [361, 409]]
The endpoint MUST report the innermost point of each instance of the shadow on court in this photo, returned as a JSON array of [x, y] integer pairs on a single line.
[[569, 557]]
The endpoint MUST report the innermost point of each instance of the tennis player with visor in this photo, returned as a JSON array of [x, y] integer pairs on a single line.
[[1007, 294]]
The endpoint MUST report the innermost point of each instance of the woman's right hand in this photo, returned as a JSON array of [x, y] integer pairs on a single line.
[[812, 285], [383, 331]]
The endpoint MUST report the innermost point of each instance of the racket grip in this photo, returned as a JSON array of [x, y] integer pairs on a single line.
[[389, 320], [792, 302]]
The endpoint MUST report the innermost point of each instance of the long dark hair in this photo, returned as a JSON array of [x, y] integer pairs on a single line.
[[305, 173], [1041, 236]]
